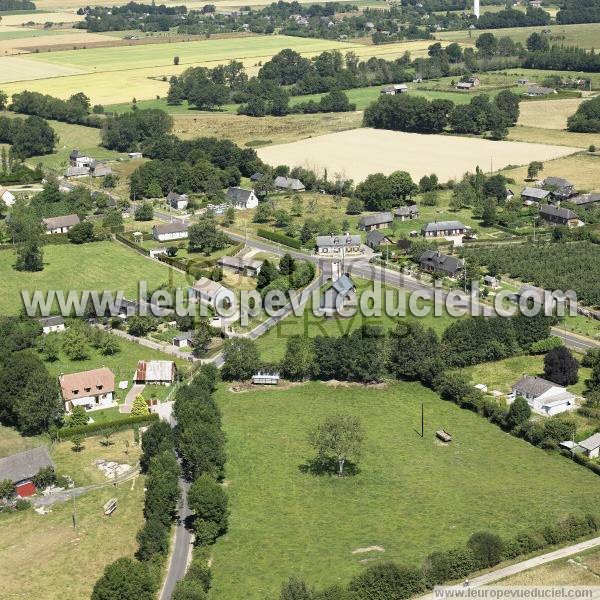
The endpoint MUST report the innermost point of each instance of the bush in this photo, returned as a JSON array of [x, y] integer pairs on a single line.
[[280, 238], [22, 504], [388, 581], [487, 548], [545, 345]]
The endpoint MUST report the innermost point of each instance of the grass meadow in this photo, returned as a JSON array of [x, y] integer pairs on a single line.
[[411, 496]]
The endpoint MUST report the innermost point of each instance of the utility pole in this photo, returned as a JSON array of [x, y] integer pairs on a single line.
[[422, 420]]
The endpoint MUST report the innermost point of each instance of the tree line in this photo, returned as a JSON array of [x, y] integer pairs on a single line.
[[578, 11], [586, 118], [28, 137]]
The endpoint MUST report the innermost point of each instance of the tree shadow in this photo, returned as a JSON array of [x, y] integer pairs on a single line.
[[321, 466]]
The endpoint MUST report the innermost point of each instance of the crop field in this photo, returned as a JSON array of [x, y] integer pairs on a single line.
[[412, 495], [557, 137], [26, 43], [549, 114], [94, 266], [40, 17], [371, 151], [16, 68]]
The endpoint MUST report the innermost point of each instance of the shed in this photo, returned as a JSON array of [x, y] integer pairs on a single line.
[[22, 467], [265, 378]]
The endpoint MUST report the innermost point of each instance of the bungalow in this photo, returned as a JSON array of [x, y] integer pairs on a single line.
[[241, 198], [177, 230], [211, 293], [407, 213], [91, 389], [544, 397], [21, 468], [392, 90], [445, 229], [77, 172], [336, 296], [52, 324], [538, 90], [289, 183], [77, 159], [591, 446], [7, 197], [241, 264], [377, 221], [60, 224], [375, 239], [177, 201], [532, 195], [559, 188], [433, 261], [337, 244], [555, 215], [183, 340], [585, 199], [155, 372]]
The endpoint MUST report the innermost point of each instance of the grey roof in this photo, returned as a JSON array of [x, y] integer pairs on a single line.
[[557, 211], [338, 241], [239, 195], [24, 465], [76, 171], [405, 211], [342, 287], [375, 237], [175, 197], [64, 221], [538, 193], [239, 262], [186, 335], [438, 226], [377, 219], [533, 386], [585, 198], [51, 321], [256, 176], [591, 443], [440, 262], [288, 183], [540, 90], [557, 182], [174, 227], [343, 284]]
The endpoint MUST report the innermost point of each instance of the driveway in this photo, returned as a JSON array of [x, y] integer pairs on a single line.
[[132, 394]]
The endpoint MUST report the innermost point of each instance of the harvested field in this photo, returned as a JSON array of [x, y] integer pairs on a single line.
[[557, 137], [42, 17], [22, 69], [548, 114], [40, 39], [365, 151]]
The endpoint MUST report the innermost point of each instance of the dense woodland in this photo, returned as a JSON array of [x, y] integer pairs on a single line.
[[587, 117], [32, 136]]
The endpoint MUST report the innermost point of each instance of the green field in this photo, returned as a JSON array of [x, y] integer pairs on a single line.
[[411, 497], [95, 266]]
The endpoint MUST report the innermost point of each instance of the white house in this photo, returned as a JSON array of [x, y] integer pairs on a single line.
[[211, 293], [91, 389], [183, 340], [544, 397], [52, 324], [6, 196], [77, 159], [170, 231], [591, 446], [60, 224], [338, 244], [242, 198], [177, 201]]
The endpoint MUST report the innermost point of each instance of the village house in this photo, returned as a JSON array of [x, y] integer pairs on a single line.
[[177, 230], [538, 90], [445, 229], [98, 169], [211, 293], [377, 221], [341, 292], [433, 261], [177, 201], [407, 213], [559, 188], [338, 244], [532, 195], [241, 264], [392, 90], [544, 397], [556, 215], [77, 159], [52, 324], [289, 183], [375, 239], [60, 224], [7, 197], [468, 84], [242, 198], [585, 199], [21, 468], [73, 172], [183, 340], [591, 446], [91, 389], [491, 281], [155, 372]]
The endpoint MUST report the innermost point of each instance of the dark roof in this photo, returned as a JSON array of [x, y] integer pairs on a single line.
[[540, 90], [440, 262], [443, 226], [174, 227], [377, 219], [343, 285], [533, 386], [585, 198], [338, 241], [537, 193], [24, 465], [557, 182], [557, 211], [256, 176], [64, 221], [404, 244], [239, 195], [186, 335], [51, 321], [404, 211], [375, 237]]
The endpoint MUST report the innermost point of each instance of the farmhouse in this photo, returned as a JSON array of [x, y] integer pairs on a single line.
[[177, 201], [289, 183], [155, 372], [585, 199], [544, 397], [338, 295], [52, 324], [77, 159], [555, 215], [392, 90], [77, 172], [60, 224], [538, 90], [377, 221], [98, 169], [21, 468], [337, 244], [91, 389], [183, 340], [531, 195], [240, 264], [6, 196], [559, 188], [433, 261], [445, 229], [211, 293], [491, 281], [376, 238], [242, 198], [591, 446], [407, 213], [468, 84], [177, 230]]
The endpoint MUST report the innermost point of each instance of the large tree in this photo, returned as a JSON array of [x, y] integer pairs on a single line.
[[241, 359], [299, 360], [561, 367], [125, 579]]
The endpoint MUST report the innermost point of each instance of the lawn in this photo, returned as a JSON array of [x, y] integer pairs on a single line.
[[411, 497], [95, 266]]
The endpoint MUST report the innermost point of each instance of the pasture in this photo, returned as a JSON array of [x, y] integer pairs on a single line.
[[94, 266], [372, 151], [412, 495]]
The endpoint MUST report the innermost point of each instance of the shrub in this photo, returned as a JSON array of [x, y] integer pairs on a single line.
[[22, 504], [388, 581], [545, 345], [486, 547], [280, 238]]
